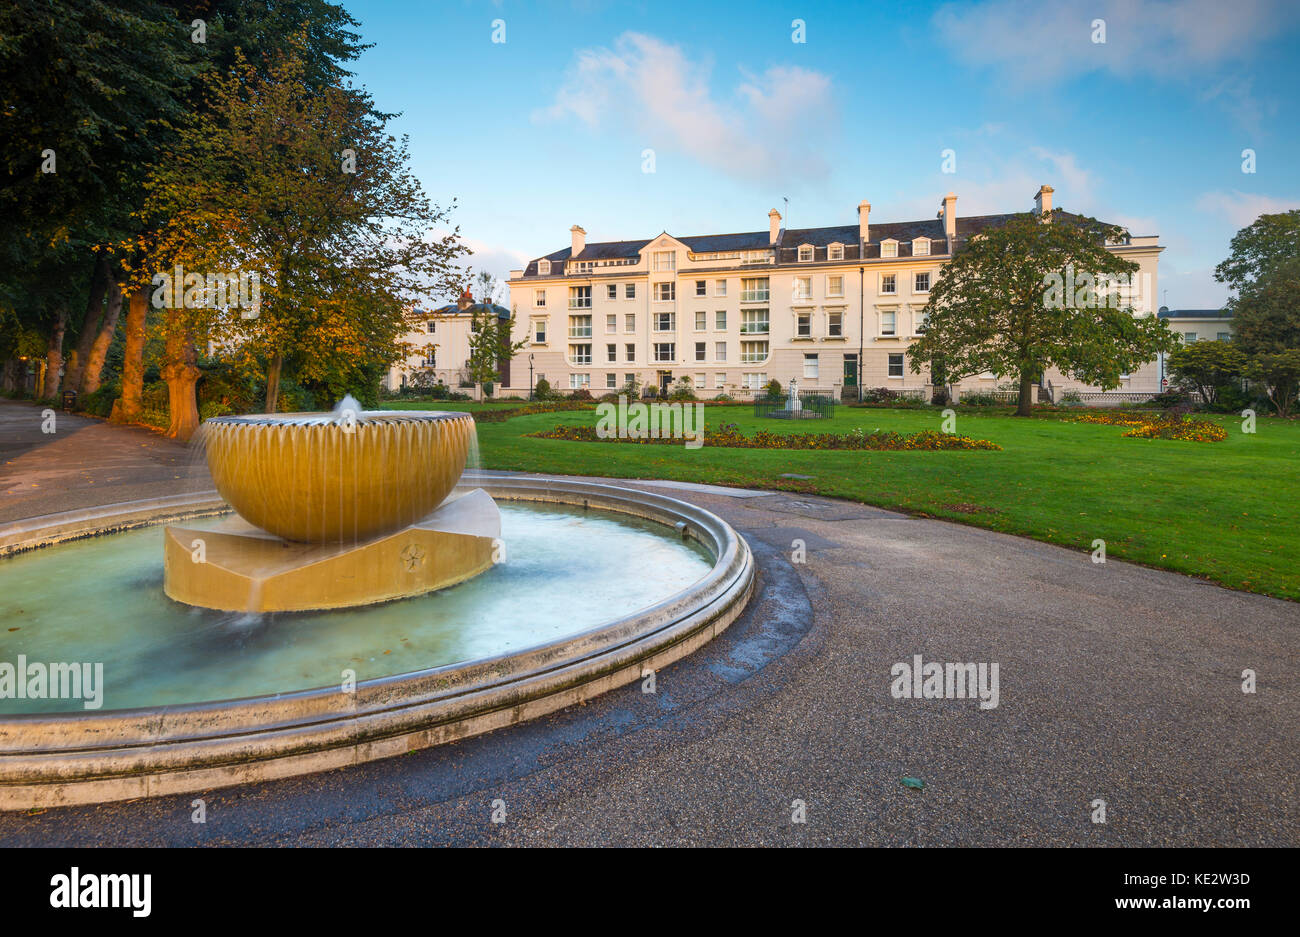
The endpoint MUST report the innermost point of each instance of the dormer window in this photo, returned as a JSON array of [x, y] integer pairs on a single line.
[[835, 252], [544, 268], [920, 247], [889, 248], [805, 253]]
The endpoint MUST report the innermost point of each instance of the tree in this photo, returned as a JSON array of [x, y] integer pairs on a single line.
[[1266, 313], [1207, 366], [1280, 373], [302, 186], [1035, 292], [1260, 246], [491, 336]]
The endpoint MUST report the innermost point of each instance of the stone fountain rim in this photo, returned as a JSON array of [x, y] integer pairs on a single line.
[[361, 417], [85, 757]]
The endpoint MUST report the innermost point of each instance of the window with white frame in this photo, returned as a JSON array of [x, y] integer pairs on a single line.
[[630, 348], [665, 351], [922, 319], [753, 352], [579, 381], [888, 248], [701, 320], [835, 252], [754, 322], [719, 351], [1223, 336], [922, 283], [629, 291], [896, 365], [580, 297], [802, 288], [701, 287], [580, 354], [611, 381], [701, 381], [719, 287], [720, 320], [810, 367], [665, 260], [805, 253], [611, 290], [754, 290], [611, 353], [889, 283], [835, 287], [665, 321], [629, 322], [629, 378], [579, 326], [431, 356], [754, 380], [720, 380], [835, 324], [803, 325], [539, 298], [889, 323], [665, 292], [1189, 337], [544, 267], [539, 331], [920, 247], [701, 351], [611, 323], [431, 326]]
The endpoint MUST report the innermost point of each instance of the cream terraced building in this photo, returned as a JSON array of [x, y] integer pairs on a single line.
[[835, 308]]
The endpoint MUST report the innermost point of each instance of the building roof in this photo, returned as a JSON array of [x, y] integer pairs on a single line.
[[1167, 313], [452, 309], [904, 232]]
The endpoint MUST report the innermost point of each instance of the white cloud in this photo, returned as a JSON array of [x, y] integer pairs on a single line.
[[772, 125], [1239, 209], [1037, 42]]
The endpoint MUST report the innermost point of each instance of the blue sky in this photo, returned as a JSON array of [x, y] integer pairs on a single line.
[[548, 128]]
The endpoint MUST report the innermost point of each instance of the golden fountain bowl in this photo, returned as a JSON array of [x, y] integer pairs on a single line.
[[317, 478]]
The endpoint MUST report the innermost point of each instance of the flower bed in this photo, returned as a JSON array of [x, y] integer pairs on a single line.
[[1153, 426], [506, 413], [728, 436]]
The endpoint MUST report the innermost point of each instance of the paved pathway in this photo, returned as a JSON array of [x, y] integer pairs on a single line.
[[1116, 682]]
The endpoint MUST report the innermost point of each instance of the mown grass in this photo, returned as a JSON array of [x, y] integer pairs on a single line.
[[1226, 511]]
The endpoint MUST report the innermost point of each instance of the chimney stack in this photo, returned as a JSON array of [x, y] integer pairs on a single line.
[[950, 217], [774, 226], [864, 229], [1043, 200], [579, 241]]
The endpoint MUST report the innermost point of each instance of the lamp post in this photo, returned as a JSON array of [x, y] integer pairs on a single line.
[[530, 376]]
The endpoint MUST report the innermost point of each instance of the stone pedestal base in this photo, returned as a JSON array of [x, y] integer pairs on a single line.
[[237, 567]]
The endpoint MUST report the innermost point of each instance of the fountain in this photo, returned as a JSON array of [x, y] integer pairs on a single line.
[[333, 510], [356, 605]]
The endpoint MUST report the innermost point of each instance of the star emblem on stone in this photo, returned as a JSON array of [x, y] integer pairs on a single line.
[[412, 557]]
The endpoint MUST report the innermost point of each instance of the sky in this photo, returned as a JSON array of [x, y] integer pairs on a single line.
[[698, 118]]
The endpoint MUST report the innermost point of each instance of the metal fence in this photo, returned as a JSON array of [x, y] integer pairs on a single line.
[[813, 404]]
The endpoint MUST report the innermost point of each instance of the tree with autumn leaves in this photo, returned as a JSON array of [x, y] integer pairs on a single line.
[[303, 186]]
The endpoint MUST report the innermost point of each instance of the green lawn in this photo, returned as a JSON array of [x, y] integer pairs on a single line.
[[1226, 511]]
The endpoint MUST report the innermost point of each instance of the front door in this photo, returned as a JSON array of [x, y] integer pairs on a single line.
[[850, 370], [665, 381]]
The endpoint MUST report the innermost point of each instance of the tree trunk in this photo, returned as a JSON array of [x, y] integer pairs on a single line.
[[273, 370], [89, 325], [104, 337], [1025, 407], [182, 375], [9, 376], [131, 404], [54, 353]]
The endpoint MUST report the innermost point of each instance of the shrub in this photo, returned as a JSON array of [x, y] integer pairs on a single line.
[[683, 389], [773, 388], [581, 394], [979, 400], [880, 395]]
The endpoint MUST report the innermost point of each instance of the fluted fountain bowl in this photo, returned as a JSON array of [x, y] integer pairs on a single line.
[[328, 478]]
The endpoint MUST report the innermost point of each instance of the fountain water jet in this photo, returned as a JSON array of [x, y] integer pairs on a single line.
[[334, 510]]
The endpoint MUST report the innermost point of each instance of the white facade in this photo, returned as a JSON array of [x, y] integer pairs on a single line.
[[730, 312]]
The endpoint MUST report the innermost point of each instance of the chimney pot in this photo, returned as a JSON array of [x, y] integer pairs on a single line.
[[1043, 200], [579, 241], [864, 228], [949, 214], [774, 226]]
